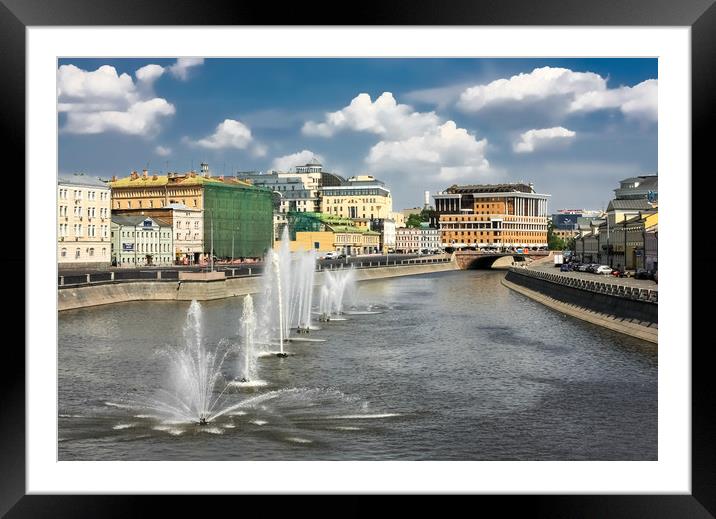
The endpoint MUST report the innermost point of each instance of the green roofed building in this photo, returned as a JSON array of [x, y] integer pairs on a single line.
[[347, 237]]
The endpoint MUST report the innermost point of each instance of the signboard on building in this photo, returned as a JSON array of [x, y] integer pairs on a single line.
[[128, 247]]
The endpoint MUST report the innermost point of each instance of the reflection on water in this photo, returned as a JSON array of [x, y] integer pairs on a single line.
[[449, 366]]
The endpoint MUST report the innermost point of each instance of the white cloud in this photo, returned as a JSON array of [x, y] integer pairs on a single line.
[[230, 134], [163, 151], [638, 102], [180, 69], [102, 100], [384, 117], [286, 162], [539, 84], [148, 74], [533, 139], [573, 91], [445, 153]]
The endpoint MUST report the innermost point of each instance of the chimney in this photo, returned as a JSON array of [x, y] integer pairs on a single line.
[[192, 174], [144, 173], [114, 178], [133, 175], [154, 176], [221, 178]]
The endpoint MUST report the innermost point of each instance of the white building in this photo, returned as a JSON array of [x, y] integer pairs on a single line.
[[83, 222], [298, 191], [429, 238], [188, 233], [407, 240], [141, 241]]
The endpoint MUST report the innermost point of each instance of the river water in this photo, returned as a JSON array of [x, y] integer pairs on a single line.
[[454, 367]]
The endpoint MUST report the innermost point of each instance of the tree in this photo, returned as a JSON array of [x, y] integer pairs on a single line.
[[554, 242]]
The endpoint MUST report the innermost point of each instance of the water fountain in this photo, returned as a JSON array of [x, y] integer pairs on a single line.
[[195, 374], [336, 286], [247, 368], [287, 296]]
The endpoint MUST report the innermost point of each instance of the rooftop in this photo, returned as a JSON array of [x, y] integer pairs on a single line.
[[641, 204], [81, 179], [491, 188], [183, 179]]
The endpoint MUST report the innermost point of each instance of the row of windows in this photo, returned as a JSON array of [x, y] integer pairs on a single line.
[[77, 194], [187, 236], [143, 234], [177, 224], [78, 230], [78, 252]]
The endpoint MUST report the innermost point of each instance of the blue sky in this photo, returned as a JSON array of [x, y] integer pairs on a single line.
[[573, 127]]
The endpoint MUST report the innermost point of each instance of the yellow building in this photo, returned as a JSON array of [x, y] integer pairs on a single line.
[[83, 216], [362, 197], [502, 215], [147, 191]]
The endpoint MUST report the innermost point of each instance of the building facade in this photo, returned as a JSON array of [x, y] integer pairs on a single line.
[[408, 240], [493, 215], [187, 225], [237, 216], [362, 196], [83, 222], [429, 238], [139, 241]]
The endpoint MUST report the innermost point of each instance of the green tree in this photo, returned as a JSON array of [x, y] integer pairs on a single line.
[[554, 242]]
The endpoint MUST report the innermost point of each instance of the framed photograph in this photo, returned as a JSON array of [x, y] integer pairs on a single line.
[[318, 254]]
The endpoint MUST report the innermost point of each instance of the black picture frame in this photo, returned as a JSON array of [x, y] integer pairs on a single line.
[[17, 15]]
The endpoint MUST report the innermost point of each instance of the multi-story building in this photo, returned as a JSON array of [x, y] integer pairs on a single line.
[[361, 196], [188, 229], [643, 187], [493, 215], [309, 230], [386, 228], [141, 241], [83, 222], [296, 191], [429, 238], [237, 217], [407, 240], [624, 245]]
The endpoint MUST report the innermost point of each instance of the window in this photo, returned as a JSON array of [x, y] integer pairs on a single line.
[[91, 252], [63, 253], [77, 253]]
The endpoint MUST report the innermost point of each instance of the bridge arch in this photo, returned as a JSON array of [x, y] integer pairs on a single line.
[[486, 262]]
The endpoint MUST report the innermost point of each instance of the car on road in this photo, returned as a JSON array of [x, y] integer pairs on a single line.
[[603, 269], [330, 255], [340, 255], [564, 267], [592, 267], [643, 274]]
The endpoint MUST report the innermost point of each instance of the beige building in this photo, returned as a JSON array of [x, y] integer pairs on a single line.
[[362, 197], [83, 222]]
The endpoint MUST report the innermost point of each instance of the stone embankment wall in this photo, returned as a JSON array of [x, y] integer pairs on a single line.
[[187, 290], [632, 311]]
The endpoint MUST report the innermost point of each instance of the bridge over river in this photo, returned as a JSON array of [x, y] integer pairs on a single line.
[[475, 259]]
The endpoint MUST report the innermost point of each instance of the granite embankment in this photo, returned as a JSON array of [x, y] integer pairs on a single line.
[[207, 289], [629, 310]]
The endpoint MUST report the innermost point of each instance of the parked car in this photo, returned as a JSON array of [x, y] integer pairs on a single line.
[[603, 269], [341, 256], [618, 273], [564, 267], [592, 267], [330, 255], [643, 274]]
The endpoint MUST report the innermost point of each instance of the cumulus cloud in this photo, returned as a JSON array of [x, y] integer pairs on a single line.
[[576, 91], [162, 151], [638, 102], [445, 152], [230, 134], [384, 117], [181, 68], [102, 100], [300, 158], [148, 74], [533, 139]]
